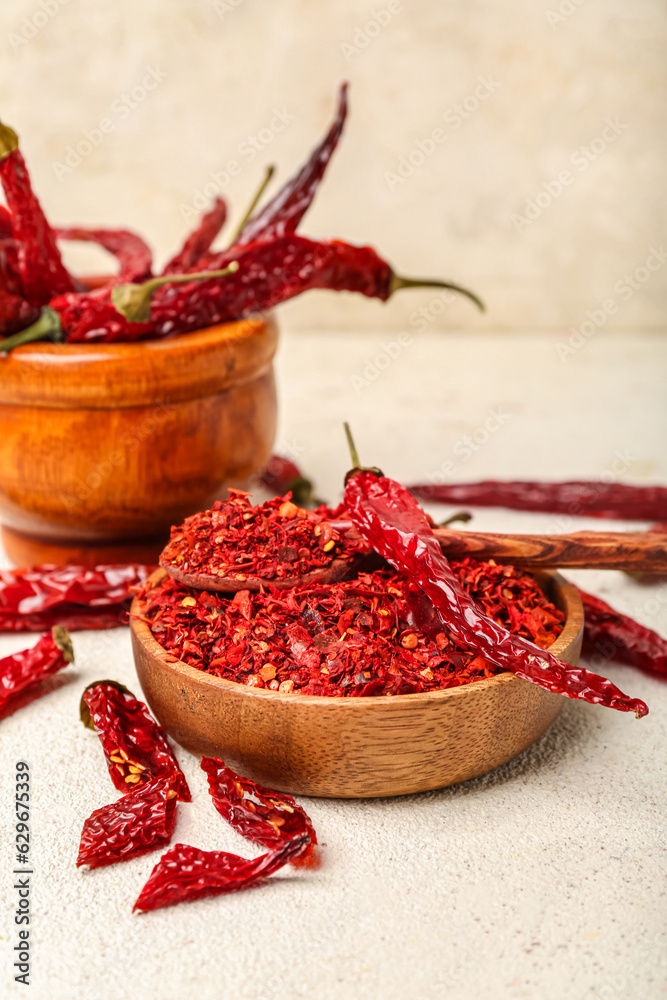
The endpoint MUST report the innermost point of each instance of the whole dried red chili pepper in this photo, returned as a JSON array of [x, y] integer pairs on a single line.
[[135, 747], [390, 520], [30, 591], [141, 821], [621, 501], [199, 241], [133, 253], [266, 817], [267, 274], [43, 273], [186, 873], [615, 636], [282, 215], [73, 617], [272, 272], [21, 670]]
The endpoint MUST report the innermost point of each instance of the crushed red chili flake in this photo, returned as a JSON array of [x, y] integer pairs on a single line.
[[372, 635], [274, 541]]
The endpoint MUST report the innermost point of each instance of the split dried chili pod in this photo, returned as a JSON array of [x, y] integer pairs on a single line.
[[616, 636], [21, 670], [135, 746], [579, 498], [185, 873], [266, 817], [139, 822], [43, 273], [134, 256], [391, 520], [199, 241]]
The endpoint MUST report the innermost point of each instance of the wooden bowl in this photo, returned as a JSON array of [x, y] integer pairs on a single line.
[[107, 445], [355, 747]]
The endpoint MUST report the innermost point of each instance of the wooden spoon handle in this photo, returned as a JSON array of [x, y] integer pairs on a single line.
[[638, 552]]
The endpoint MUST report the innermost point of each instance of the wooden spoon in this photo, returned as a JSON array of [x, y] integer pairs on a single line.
[[636, 552], [336, 570]]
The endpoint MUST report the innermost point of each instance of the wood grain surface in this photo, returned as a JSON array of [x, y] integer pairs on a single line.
[[114, 443], [354, 747], [631, 551]]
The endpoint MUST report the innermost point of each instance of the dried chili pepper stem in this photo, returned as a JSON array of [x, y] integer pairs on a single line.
[[134, 301], [268, 174], [397, 283], [462, 516], [63, 641], [354, 455], [9, 140], [47, 327]]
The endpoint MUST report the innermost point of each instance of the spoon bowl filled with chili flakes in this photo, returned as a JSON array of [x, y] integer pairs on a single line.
[[335, 683]]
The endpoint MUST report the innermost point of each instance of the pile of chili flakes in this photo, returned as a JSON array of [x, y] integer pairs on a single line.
[[273, 541], [372, 635]]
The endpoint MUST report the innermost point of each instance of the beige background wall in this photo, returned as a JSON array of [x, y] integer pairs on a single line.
[[558, 103]]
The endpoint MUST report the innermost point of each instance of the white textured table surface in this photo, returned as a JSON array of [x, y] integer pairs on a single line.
[[545, 879]]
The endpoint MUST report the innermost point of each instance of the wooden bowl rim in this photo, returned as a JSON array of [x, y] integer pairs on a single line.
[[48, 351], [573, 627], [115, 376]]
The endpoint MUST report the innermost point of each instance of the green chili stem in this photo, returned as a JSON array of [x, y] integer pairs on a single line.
[[397, 283], [133, 301], [270, 170], [47, 327]]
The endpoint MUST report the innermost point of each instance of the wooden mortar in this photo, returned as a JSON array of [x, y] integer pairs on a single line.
[[105, 446]]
